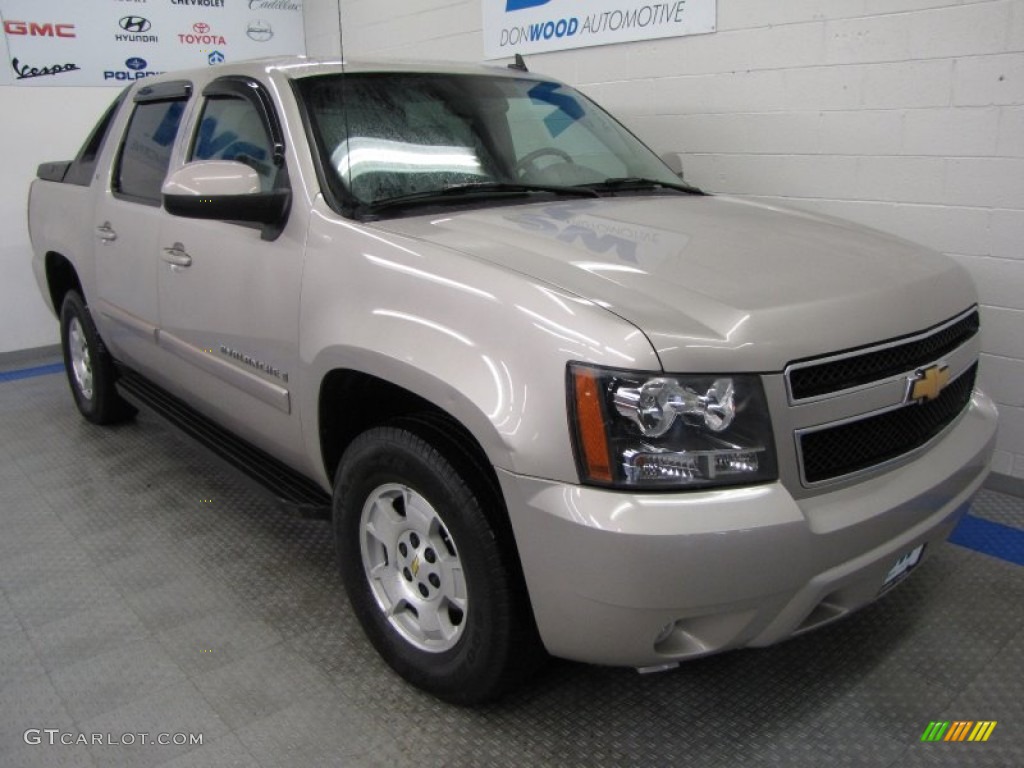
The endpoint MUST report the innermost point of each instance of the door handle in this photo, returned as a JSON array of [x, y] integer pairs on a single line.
[[106, 233], [177, 256]]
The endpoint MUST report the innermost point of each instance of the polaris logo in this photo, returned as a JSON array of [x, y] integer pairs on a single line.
[[35, 29], [136, 70], [134, 27]]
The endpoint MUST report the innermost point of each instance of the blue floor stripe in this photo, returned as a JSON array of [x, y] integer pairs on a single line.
[[28, 373], [994, 539]]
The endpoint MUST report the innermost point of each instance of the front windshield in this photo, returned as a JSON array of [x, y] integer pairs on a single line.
[[388, 136]]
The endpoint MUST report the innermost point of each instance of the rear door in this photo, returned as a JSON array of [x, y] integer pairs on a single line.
[[127, 220]]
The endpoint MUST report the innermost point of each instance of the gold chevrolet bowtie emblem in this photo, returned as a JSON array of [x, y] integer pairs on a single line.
[[416, 566], [928, 382]]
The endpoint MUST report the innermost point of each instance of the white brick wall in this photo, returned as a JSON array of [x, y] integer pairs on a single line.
[[906, 115]]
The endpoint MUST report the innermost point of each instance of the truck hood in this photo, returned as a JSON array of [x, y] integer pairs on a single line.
[[716, 283]]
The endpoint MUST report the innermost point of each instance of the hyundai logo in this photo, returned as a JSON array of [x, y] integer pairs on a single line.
[[135, 63], [259, 30], [200, 28], [135, 24]]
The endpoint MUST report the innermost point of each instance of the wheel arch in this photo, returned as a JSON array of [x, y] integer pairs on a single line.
[[383, 402], [61, 277], [351, 401]]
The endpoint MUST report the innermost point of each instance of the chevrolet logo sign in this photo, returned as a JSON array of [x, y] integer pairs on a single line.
[[927, 383]]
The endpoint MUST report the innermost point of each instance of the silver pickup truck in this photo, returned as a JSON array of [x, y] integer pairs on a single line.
[[552, 397]]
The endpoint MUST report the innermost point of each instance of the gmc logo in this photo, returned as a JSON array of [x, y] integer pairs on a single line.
[[39, 30]]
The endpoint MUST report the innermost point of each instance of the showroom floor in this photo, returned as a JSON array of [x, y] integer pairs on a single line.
[[145, 590]]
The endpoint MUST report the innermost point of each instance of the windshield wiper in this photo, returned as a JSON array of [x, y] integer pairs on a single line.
[[475, 189], [631, 183]]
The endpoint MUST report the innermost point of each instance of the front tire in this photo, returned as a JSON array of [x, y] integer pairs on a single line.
[[427, 572], [89, 366]]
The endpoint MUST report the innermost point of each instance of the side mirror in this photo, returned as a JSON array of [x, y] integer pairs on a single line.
[[674, 161], [226, 190]]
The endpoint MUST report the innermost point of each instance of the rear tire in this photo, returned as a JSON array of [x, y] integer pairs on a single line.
[[434, 585], [90, 368]]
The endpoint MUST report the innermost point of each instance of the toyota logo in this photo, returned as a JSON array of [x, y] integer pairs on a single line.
[[200, 28], [135, 63], [134, 24]]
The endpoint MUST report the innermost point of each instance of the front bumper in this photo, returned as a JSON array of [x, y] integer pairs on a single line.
[[648, 579]]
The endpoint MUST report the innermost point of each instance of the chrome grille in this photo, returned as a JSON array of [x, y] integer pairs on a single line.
[[855, 368], [847, 448]]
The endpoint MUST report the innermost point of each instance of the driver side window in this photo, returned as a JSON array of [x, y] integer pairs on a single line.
[[231, 128]]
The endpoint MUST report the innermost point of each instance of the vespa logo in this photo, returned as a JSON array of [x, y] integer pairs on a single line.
[[259, 30], [25, 71], [34, 29], [927, 383], [135, 24]]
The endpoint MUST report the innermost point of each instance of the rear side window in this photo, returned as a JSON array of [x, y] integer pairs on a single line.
[[146, 152], [84, 165]]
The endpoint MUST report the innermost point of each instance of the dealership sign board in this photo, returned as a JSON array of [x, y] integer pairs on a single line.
[[536, 26], [116, 42]]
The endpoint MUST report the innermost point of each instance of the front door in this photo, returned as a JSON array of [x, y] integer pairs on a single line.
[[229, 291]]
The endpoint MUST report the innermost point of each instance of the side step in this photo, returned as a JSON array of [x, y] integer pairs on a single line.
[[293, 490]]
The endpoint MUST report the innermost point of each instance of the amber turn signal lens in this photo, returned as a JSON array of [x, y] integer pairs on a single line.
[[590, 423]]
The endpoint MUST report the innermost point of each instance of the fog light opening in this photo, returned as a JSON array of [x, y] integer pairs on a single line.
[[663, 635]]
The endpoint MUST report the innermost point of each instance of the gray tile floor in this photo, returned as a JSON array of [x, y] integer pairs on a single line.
[[143, 589]]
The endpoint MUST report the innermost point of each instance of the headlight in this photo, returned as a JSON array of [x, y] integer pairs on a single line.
[[637, 430]]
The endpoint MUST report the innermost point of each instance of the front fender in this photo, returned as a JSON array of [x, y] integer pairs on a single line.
[[484, 343]]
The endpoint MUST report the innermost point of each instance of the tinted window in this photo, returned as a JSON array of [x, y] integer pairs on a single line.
[[385, 136], [549, 126], [147, 148], [85, 163], [232, 129]]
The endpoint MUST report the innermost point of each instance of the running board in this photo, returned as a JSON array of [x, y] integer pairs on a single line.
[[293, 490]]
